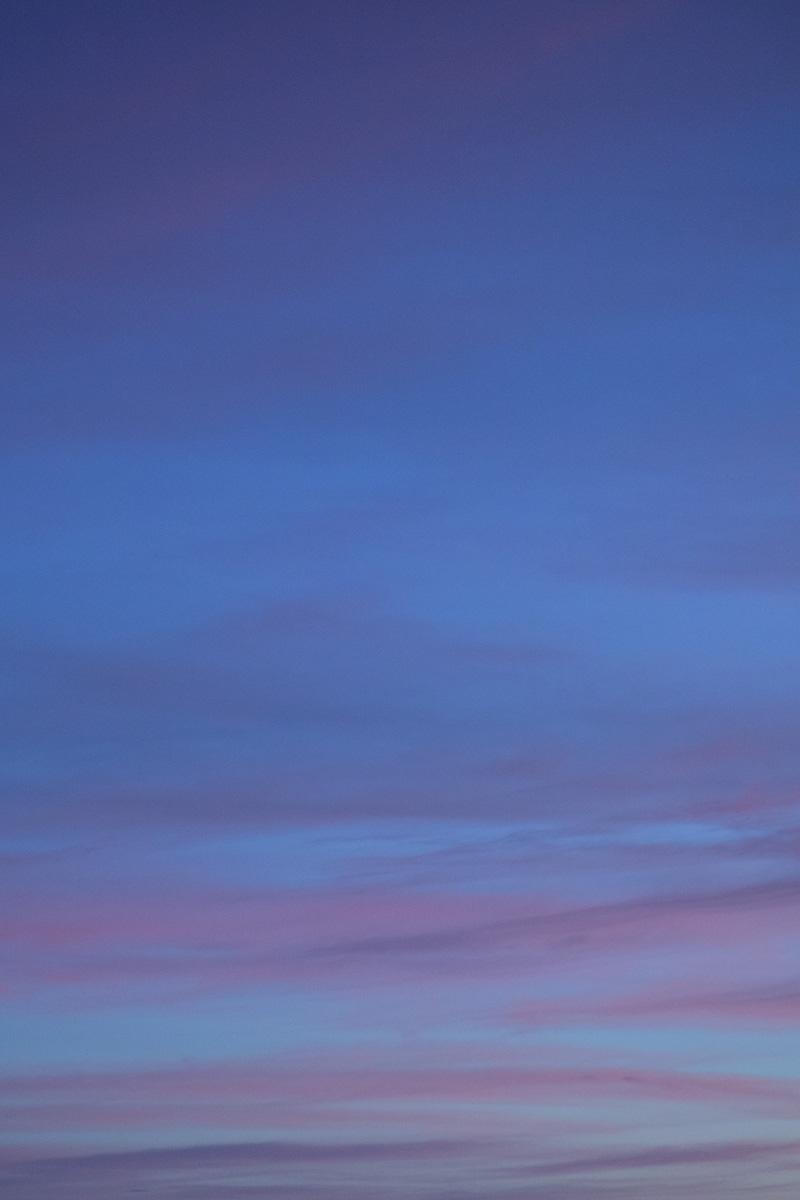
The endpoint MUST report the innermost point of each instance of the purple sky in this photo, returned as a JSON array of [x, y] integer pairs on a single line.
[[400, 551]]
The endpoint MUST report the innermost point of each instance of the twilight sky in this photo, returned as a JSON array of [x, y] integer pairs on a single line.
[[400, 551]]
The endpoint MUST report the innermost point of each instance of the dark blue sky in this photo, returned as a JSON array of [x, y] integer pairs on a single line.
[[400, 526]]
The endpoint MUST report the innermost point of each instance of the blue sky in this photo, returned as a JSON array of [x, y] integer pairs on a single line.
[[398, 602]]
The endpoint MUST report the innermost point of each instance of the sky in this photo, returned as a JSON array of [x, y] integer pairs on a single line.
[[399, 600]]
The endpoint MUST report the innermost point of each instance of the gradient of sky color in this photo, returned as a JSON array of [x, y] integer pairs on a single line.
[[400, 552]]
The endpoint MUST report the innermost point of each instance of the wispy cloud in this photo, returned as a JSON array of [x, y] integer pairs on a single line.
[[783, 1153]]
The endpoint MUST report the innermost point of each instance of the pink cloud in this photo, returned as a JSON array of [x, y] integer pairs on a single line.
[[219, 1096], [779, 1002], [732, 1005], [209, 938]]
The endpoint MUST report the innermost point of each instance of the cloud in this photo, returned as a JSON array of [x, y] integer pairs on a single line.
[[778, 1002], [224, 1169], [170, 1171], [258, 1153], [674, 1156], [272, 1093], [200, 938], [675, 917]]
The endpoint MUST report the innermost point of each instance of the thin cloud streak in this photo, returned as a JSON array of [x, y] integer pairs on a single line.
[[670, 1156]]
